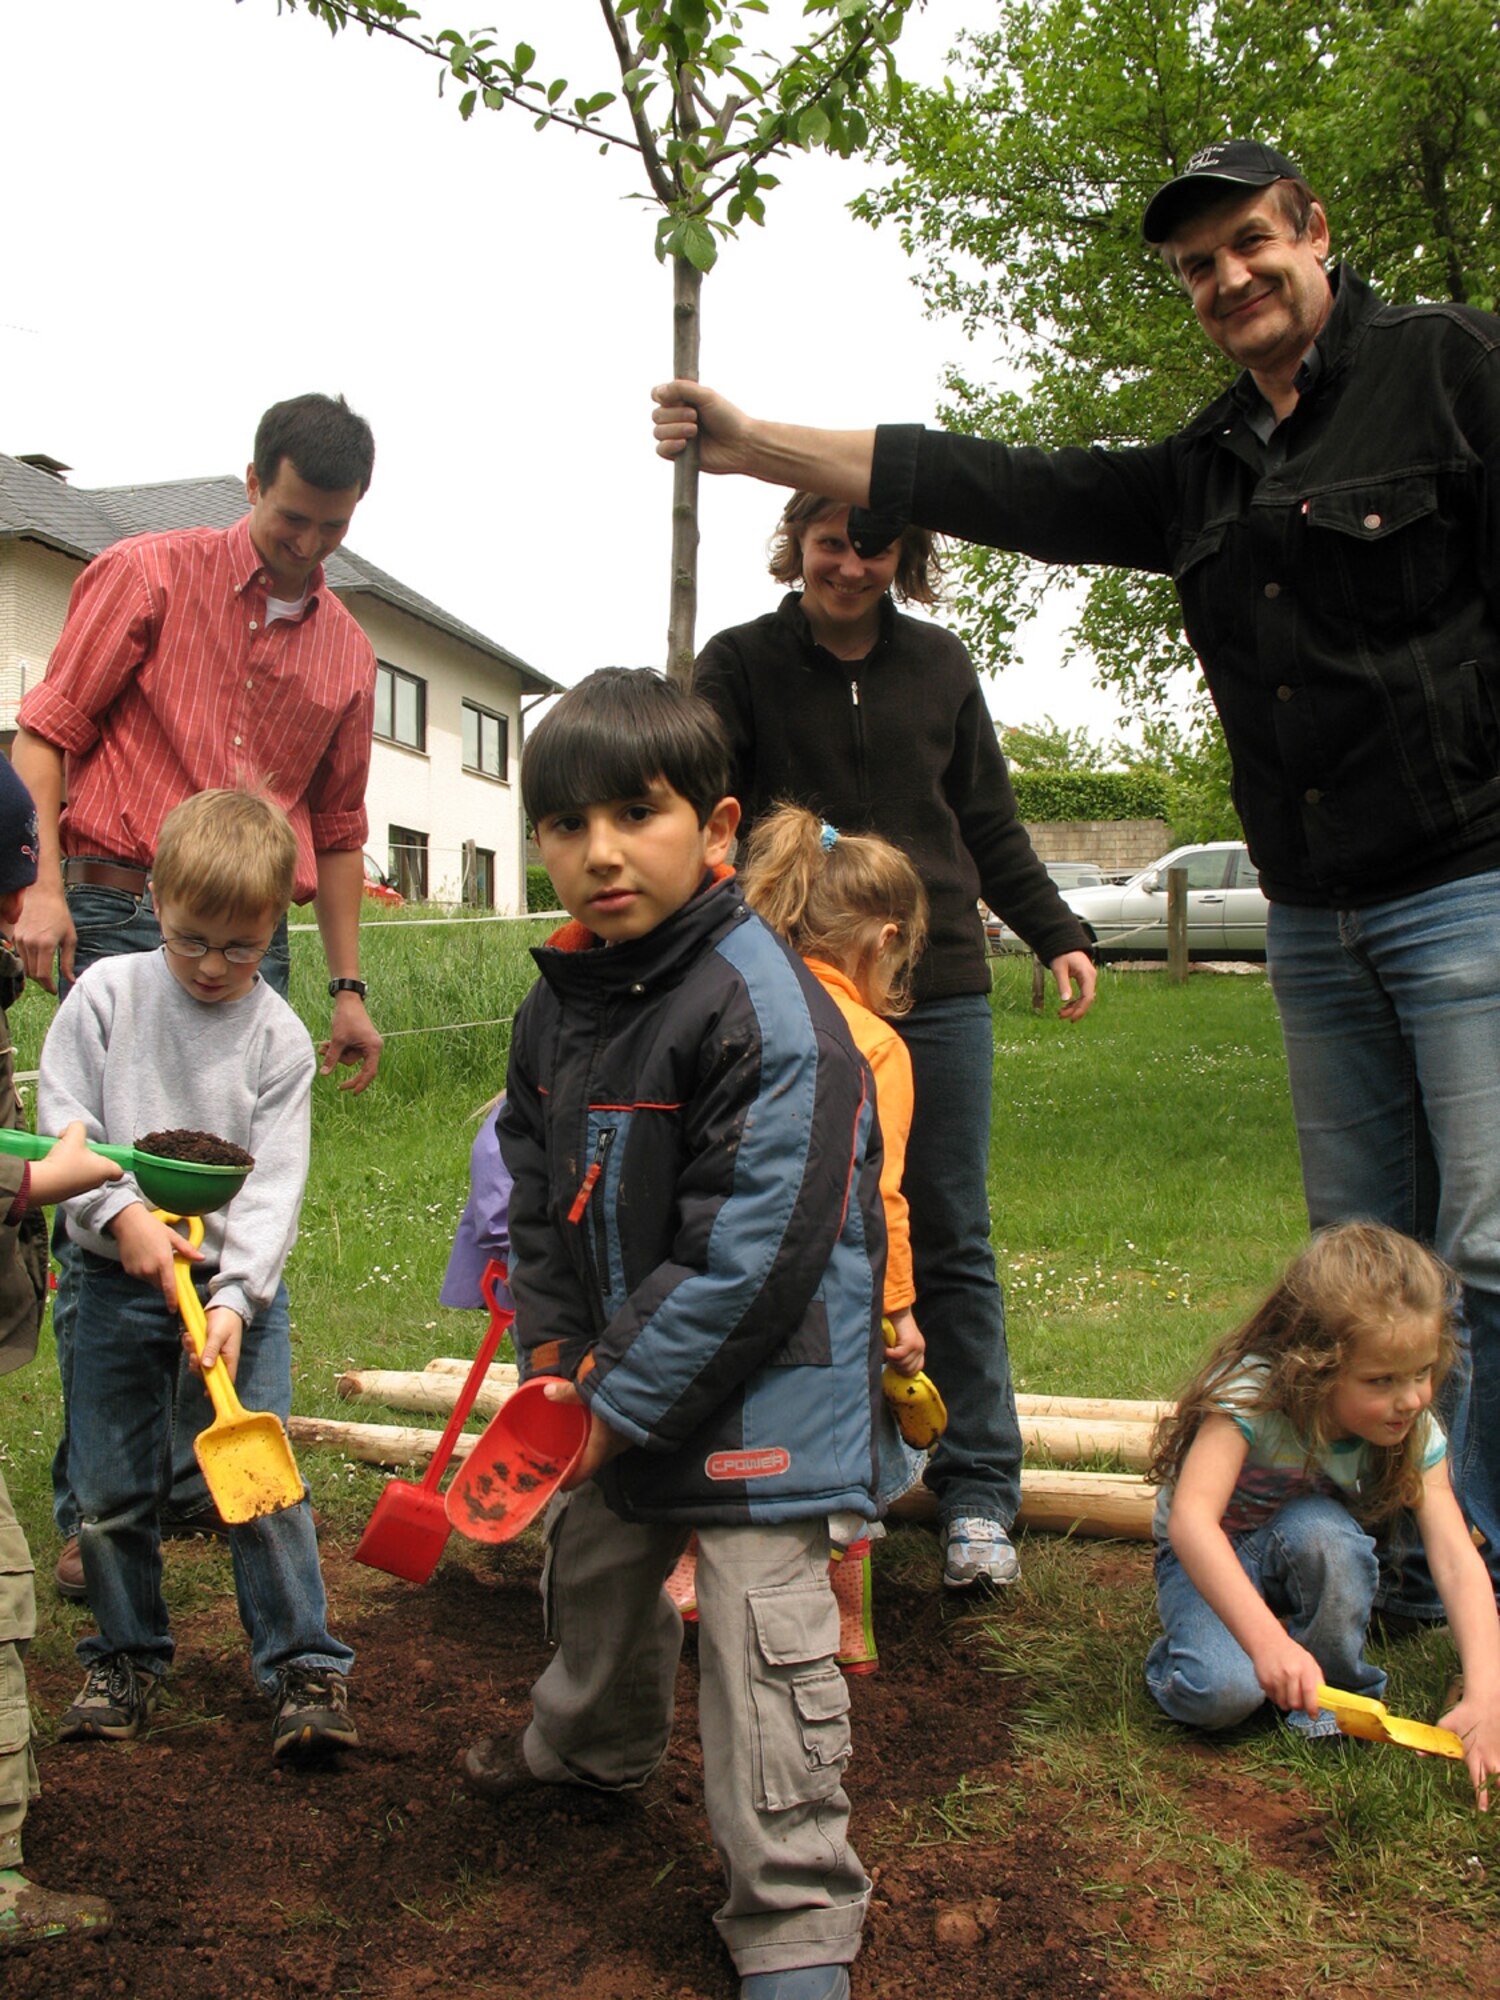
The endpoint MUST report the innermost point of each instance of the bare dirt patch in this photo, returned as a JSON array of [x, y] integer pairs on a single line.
[[377, 1876]]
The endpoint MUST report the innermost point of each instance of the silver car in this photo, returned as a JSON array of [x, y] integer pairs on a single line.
[[1066, 874], [1226, 912]]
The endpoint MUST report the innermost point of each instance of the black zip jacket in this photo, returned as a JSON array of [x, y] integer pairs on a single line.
[[900, 744], [1344, 598]]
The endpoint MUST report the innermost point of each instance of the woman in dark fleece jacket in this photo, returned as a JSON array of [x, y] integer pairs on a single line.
[[877, 721]]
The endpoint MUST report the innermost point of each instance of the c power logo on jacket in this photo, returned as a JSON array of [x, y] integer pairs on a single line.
[[766, 1464]]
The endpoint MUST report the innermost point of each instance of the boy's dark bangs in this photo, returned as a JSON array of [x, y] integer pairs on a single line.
[[579, 759], [616, 735]]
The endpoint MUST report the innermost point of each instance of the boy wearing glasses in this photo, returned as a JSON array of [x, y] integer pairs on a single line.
[[190, 1038]]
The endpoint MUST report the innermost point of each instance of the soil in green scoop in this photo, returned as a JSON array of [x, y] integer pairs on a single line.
[[198, 1149]]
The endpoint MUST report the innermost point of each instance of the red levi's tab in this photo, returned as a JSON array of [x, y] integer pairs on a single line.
[[768, 1463]]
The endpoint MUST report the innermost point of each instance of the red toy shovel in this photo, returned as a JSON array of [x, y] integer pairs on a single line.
[[408, 1530], [517, 1464]]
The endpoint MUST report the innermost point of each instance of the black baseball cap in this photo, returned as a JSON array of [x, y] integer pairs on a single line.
[[1214, 171]]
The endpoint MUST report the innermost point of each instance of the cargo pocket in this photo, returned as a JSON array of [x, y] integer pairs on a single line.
[[799, 1698], [17, 1769], [17, 1591]]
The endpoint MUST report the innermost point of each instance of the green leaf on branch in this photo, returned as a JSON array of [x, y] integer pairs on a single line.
[[698, 244]]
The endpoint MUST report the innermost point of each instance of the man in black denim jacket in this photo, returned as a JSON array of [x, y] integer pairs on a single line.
[[1332, 523]]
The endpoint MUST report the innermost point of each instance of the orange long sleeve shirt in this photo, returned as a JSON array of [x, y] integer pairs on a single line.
[[890, 1065]]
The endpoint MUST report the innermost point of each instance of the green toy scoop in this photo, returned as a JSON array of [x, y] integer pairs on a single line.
[[182, 1186]]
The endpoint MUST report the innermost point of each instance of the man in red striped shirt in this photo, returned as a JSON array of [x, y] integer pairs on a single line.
[[191, 660], [213, 657]]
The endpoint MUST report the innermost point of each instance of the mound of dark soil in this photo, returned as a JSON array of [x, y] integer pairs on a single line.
[[377, 1876]]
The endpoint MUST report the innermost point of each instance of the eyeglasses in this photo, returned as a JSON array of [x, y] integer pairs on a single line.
[[234, 954]]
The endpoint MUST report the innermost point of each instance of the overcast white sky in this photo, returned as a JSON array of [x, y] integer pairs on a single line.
[[210, 207]]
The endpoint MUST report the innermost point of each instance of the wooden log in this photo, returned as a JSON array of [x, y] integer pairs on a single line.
[[1065, 1437], [395, 1446], [454, 1364], [1107, 1409], [1110, 1505], [1107, 1504], [1111, 1409], [404, 1389], [1113, 1506], [1068, 1439], [1066, 1429]]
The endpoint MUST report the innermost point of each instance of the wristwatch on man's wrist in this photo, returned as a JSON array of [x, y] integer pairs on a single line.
[[338, 986]]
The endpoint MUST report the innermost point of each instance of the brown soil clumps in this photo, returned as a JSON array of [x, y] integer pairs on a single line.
[[198, 1149]]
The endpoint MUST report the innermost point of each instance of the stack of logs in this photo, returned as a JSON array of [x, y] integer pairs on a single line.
[[1065, 1430]]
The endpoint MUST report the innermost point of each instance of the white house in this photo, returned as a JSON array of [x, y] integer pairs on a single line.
[[443, 798]]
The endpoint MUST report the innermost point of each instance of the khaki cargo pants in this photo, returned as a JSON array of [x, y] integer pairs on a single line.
[[773, 1710]]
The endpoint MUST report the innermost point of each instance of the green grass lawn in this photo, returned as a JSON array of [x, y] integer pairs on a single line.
[[1143, 1175], [1144, 1189]]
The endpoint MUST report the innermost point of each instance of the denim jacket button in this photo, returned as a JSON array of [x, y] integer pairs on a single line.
[[1372, 521], [1273, 590], [1284, 693], [1313, 796]]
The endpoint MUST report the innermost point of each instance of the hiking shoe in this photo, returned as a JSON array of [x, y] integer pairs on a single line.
[[849, 1573], [798, 1982], [30, 1914], [682, 1585], [68, 1576], [496, 1768], [312, 1714], [980, 1555], [117, 1698]]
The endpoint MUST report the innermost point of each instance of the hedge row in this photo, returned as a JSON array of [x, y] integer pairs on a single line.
[[1052, 795], [540, 894]]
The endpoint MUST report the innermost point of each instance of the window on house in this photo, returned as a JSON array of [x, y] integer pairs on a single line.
[[408, 865], [479, 876], [486, 741], [400, 707]]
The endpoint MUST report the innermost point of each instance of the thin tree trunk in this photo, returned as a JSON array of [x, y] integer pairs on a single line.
[[687, 283]]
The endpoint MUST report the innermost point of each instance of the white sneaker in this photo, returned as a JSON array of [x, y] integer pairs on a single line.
[[979, 1554]]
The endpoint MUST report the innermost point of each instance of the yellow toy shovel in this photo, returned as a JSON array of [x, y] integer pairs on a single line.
[[920, 1413], [1360, 1715], [245, 1456]]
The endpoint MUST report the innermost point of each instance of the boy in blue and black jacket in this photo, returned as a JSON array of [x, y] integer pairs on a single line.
[[697, 1252]]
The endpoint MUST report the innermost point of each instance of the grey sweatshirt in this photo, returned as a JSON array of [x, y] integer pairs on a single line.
[[131, 1051]]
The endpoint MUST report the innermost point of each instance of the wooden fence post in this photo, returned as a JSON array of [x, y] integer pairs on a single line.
[[1177, 948]]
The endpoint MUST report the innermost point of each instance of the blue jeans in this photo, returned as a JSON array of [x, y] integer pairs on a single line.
[[126, 1348], [1391, 1018], [1315, 1566], [110, 922], [976, 1469]]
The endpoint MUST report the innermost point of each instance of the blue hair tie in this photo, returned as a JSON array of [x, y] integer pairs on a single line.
[[827, 836]]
